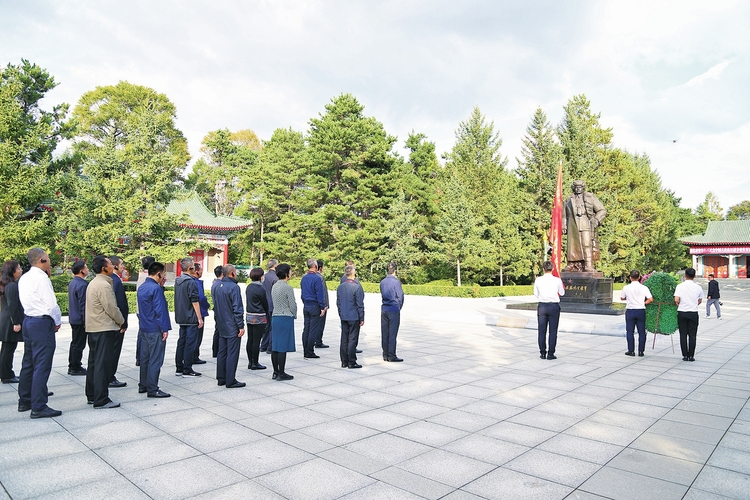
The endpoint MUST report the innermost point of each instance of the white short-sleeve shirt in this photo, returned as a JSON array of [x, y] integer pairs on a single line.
[[548, 288], [635, 294], [689, 293]]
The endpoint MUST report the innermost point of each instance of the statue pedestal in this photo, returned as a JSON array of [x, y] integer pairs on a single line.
[[588, 293]]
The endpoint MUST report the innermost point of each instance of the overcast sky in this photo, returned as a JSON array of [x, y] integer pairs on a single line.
[[656, 71]]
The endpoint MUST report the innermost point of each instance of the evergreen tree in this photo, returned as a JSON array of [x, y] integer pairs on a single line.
[[740, 211], [132, 157], [28, 136], [537, 179]]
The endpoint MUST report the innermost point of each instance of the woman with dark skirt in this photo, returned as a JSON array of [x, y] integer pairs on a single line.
[[256, 317], [282, 322], [11, 319]]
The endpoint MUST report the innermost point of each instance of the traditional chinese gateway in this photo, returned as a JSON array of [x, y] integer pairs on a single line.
[[723, 250]]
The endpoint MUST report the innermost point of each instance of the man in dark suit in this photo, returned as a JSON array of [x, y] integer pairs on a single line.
[[218, 273], [322, 324], [122, 305], [77, 317], [350, 300], [314, 300], [230, 323]]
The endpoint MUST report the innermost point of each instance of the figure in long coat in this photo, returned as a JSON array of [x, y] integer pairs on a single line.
[[583, 215]]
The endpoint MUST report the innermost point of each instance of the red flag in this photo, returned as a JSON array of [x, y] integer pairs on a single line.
[[555, 230]]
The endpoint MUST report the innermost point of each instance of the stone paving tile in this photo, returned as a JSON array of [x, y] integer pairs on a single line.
[[217, 437], [553, 467], [673, 447], [184, 478], [702, 419], [446, 467], [722, 482], [505, 484], [381, 491], [58, 473], [260, 457], [580, 448], [146, 453], [543, 420], [387, 448], [114, 488], [425, 488], [45, 446], [657, 466], [120, 431], [692, 432], [527, 435], [315, 479], [730, 459], [380, 419], [598, 431], [244, 489], [428, 433], [619, 484], [486, 449]]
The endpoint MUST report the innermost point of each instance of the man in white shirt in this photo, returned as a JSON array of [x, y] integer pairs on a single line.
[[688, 295], [636, 296], [42, 320], [548, 289]]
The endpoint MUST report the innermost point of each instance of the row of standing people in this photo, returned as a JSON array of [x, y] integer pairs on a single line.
[[687, 297]]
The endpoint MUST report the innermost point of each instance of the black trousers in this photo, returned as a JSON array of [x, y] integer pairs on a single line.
[[6, 359], [101, 358], [635, 318], [547, 314], [198, 342], [183, 358], [687, 322], [349, 340], [254, 335], [116, 351], [38, 351], [77, 345], [389, 324], [215, 344], [312, 319], [229, 356]]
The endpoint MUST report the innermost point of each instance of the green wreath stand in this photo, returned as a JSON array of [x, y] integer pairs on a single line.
[[661, 314]]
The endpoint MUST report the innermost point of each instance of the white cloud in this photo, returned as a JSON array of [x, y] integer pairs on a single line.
[[712, 74]]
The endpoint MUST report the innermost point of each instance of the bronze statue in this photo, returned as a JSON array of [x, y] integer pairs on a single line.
[[583, 215]]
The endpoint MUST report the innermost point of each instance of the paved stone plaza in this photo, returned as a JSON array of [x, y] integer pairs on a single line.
[[471, 413]]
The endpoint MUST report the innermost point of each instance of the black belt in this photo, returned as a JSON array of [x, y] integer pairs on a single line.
[[46, 316]]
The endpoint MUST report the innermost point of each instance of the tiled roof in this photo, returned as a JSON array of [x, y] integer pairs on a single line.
[[722, 232], [202, 218]]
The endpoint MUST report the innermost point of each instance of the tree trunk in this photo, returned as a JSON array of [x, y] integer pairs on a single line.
[[458, 271], [501, 275]]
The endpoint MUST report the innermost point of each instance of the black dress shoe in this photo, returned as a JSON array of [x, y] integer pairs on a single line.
[[274, 376], [191, 373], [344, 365], [79, 372], [47, 412], [358, 351], [159, 394], [395, 359], [321, 346], [385, 358], [691, 358], [551, 356], [684, 358], [199, 362], [50, 393], [137, 363], [311, 356], [355, 365], [284, 376], [22, 407], [629, 353], [13, 380], [236, 385], [640, 354], [259, 367], [141, 390], [116, 383], [543, 356], [219, 382]]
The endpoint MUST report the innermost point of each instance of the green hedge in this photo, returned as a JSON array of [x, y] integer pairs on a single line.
[[433, 290], [62, 300]]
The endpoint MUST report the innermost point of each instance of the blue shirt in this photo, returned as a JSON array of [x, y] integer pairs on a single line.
[[77, 301], [313, 290], [153, 313], [392, 293], [202, 300]]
